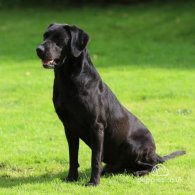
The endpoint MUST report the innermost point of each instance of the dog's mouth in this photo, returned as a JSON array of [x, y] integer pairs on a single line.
[[49, 64]]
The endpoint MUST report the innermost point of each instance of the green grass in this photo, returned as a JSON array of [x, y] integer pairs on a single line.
[[145, 53]]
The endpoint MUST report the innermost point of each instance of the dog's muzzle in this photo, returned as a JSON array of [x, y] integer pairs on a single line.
[[47, 63]]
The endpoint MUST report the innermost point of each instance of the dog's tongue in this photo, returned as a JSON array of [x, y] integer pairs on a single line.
[[47, 61]]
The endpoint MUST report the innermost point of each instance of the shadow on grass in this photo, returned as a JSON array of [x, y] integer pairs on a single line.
[[9, 181]]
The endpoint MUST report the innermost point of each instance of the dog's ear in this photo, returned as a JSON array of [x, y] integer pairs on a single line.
[[79, 40], [50, 25]]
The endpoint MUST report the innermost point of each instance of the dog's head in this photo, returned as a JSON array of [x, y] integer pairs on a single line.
[[61, 41]]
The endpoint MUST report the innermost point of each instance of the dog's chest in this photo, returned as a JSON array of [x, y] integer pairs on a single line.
[[73, 106]]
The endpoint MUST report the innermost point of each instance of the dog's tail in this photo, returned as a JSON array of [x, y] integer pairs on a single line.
[[160, 159], [170, 156]]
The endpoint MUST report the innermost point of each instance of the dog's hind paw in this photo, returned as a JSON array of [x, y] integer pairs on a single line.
[[141, 173]]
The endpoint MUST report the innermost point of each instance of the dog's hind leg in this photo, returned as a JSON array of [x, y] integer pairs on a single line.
[[108, 169]]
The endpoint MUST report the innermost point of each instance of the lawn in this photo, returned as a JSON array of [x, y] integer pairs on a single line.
[[145, 53]]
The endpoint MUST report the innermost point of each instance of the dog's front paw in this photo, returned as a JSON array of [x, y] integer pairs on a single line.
[[92, 183], [72, 178]]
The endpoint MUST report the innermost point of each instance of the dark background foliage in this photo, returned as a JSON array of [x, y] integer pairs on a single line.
[[18, 3]]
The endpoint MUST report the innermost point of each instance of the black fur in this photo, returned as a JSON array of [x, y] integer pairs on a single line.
[[90, 111]]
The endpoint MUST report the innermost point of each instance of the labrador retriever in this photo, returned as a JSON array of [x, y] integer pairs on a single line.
[[91, 112]]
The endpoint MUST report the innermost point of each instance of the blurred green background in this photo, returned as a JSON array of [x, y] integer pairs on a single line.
[[145, 52]]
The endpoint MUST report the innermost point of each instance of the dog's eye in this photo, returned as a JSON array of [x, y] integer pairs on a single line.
[[45, 35], [58, 40]]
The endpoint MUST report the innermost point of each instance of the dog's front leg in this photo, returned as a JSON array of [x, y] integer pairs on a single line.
[[73, 143], [97, 147]]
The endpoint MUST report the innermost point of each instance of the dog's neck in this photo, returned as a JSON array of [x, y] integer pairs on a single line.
[[75, 65]]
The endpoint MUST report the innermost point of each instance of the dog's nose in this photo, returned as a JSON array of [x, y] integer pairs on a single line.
[[40, 50]]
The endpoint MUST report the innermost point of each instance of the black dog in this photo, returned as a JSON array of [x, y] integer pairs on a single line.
[[90, 111]]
